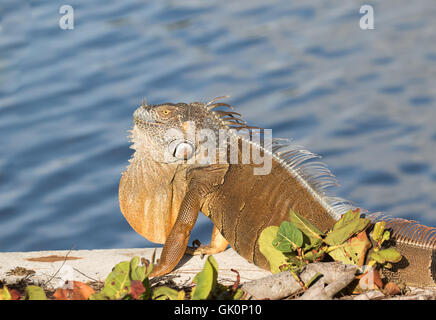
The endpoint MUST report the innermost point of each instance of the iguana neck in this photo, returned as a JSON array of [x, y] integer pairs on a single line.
[[150, 194]]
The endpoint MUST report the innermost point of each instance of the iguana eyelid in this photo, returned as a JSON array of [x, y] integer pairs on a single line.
[[165, 112]]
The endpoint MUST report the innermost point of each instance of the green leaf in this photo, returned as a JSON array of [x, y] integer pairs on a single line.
[[345, 228], [313, 256], [117, 283], [206, 279], [147, 294], [164, 293], [346, 218], [386, 255], [386, 236], [293, 263], [137, 272], [181, 295], [379, 227], [289, 238], [5, 294], [223, 292], [98, 296], [238, 295], [35, 293], [275, 257], [312, 232]]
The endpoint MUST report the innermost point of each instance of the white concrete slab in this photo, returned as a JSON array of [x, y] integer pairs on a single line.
[[97, 264]]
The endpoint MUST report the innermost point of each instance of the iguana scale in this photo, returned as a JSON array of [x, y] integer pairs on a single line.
[[161, 193]]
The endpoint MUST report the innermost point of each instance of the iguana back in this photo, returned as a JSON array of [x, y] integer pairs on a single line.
[[245, 204]]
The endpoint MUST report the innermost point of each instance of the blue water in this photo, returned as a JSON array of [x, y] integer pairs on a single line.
[[364, 100]]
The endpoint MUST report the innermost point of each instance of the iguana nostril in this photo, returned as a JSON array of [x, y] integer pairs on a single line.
[[181, 149]]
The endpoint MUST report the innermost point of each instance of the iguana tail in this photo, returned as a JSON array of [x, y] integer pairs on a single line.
[[417, 245]]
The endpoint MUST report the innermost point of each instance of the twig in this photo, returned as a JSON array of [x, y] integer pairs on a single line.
[[66, 256], [77, 270], [297, 278]]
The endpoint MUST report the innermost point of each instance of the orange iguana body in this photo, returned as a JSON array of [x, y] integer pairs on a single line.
[[161, 192]]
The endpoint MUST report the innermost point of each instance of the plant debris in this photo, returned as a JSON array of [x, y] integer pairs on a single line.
[[296, 243], [298, 254], [20, 271], [129, 281]]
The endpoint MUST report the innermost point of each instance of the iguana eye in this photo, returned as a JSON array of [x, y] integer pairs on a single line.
[[165, 112]]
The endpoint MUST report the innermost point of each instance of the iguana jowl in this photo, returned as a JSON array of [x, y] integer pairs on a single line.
[[161, 193]]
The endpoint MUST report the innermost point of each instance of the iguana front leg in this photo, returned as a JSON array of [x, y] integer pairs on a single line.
[[217, 244], [176, 243]]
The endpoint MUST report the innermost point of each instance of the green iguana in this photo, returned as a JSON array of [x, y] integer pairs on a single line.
[[162, 191]]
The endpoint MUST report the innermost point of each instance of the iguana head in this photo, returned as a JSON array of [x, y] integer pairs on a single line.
[[169, 132]]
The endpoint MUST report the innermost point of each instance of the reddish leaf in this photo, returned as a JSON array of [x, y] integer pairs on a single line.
[[362, 238], [136, 289], [15, 295], [79, 291], [391, 289]]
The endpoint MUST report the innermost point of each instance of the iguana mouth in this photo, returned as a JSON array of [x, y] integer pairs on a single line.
[[139, 122], [142, 116]]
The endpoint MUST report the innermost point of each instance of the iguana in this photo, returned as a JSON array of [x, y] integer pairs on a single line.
[[161, 192]]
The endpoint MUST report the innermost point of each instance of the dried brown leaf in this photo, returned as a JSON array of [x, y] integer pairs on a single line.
[[391, 289], [79, 291]]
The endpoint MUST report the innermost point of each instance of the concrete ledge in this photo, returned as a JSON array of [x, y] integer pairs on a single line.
[[89, 265], [95, 265]]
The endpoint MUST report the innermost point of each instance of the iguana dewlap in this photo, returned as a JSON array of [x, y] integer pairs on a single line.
[[163, 189]]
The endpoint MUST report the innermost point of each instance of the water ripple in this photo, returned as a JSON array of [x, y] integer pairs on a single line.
[[364, 100]]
